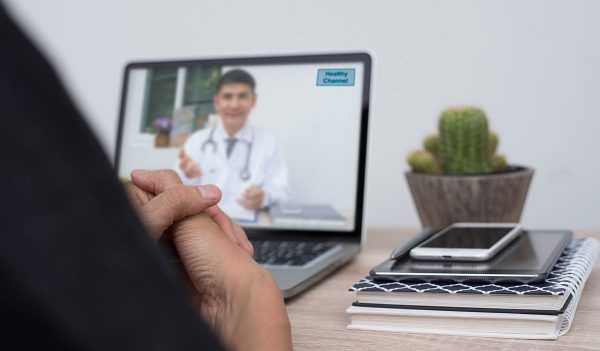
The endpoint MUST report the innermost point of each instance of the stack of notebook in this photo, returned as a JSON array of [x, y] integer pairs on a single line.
[[527, 311]]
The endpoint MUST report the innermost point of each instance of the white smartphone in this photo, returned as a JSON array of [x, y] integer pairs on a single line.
[[467, 242]]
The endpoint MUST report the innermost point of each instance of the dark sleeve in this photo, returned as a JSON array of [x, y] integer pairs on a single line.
[[77, 269]]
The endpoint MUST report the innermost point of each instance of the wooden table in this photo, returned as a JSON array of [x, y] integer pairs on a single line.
[[319, 319]]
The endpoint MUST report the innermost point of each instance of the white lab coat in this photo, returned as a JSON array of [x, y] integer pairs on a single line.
[[267, 166]]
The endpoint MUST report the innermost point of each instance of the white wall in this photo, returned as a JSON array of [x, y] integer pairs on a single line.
[[533, 65]]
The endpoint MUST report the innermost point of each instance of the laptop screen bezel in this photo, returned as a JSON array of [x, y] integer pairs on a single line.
[[281, 233]]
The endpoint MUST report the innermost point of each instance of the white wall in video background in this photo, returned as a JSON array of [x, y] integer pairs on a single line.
[[318, 127]]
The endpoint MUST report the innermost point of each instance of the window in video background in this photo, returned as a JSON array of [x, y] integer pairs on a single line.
[[316, 128]]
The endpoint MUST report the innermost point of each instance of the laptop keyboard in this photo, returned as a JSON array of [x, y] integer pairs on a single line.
[[288, 253]]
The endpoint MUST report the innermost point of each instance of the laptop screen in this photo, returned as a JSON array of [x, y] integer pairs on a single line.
[[281, 137]]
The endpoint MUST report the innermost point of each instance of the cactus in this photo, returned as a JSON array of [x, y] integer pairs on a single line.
[[499, 162], [432, 143], [463, 145], [464, 136], [423, 161], [493, 142]]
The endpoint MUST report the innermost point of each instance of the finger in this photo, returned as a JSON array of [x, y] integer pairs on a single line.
[[230, 228], [224, 222], [243, 237], [138, 197], [187, 168], [196, 170], [191, 172], [155, 181], [190, 168], [256, 192], [255, 195], [182, 154], [251, 189], [245, 203], [184, 163], [252, 197], [177, 202]]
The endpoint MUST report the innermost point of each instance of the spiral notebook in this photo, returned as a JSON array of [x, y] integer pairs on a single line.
[[534, 311]]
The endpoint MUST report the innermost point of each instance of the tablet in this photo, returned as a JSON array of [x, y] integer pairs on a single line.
[[528, 259]]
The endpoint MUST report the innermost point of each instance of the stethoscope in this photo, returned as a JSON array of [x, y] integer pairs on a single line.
[[245, 173]]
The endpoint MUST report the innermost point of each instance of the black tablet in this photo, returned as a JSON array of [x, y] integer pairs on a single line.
[[528, 259]]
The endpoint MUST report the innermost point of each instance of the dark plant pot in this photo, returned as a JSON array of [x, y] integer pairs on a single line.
[[449, 198], [162, 139]]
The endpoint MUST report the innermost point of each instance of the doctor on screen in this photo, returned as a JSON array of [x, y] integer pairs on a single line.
[[247, 163]]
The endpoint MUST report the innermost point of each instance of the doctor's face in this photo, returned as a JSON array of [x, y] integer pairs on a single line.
[[234, 102]]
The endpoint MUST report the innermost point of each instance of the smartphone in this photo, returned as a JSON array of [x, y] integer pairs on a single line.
[[467, 242], [468, 266]]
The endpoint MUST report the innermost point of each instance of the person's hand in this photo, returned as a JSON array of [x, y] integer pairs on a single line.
[[161, 199], [231, 291], [252, 198], [188, 166], [238, 297]]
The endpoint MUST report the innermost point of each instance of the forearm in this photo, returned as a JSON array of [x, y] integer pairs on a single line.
[[263, 321], [238, 297]]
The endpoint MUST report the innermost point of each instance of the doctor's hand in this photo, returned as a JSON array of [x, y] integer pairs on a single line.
[[252, 198], [188, 166], [161, 200]]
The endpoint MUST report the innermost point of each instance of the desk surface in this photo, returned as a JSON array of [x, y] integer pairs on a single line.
[[319, 319]]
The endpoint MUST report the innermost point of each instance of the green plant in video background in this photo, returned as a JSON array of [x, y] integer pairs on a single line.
[[463, 145]]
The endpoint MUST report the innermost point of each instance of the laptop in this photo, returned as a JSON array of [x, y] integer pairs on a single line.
[[284, 137]]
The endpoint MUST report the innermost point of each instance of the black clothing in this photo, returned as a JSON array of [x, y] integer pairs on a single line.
[[77, 269]]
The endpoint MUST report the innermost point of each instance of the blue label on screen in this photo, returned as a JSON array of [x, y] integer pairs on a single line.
[[335, 77]]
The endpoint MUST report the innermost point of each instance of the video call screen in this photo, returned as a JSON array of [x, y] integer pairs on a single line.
[[281, 141]]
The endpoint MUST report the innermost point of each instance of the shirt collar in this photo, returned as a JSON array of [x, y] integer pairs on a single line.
[[242, 134]]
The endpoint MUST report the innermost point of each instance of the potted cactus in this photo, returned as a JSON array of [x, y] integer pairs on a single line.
[[458, 177]]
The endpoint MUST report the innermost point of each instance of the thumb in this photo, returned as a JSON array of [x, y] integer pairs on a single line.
[[154, 182], [177, 202]]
